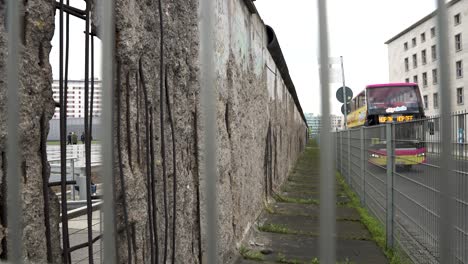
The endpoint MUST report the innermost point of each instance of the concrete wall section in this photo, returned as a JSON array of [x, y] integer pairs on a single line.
[[148, 193], [261, 131], [36, 109]]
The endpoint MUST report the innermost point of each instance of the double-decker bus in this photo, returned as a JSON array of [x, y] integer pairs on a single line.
[[391, 103]]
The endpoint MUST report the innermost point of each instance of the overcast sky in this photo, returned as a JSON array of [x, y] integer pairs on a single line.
[[358, 30]]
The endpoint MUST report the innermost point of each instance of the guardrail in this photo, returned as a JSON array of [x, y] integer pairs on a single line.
[[403, 191]]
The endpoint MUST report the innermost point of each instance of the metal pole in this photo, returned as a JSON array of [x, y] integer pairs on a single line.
[[72, 164], [107, 134], [363, 170], [447, 183], [344, 94], [341, 152], [348, 171], [327, 175], [14, 212], [208, 99], [389, 196]]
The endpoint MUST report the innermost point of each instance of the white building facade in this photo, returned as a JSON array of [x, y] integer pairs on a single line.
[[315, 123], [76, 98], [413, 57]]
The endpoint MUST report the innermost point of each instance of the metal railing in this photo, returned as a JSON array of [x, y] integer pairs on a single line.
[[395, 169]]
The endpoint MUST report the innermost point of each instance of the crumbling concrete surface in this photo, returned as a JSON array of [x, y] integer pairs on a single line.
[[260, 130], [36, 108]]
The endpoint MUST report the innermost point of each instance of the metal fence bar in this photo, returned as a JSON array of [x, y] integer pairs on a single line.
[[341, 152], [208, 105], [106, 8], [446, 185], [389, 196], [349, 158], [14, 215], [363, 168], [327, 181]]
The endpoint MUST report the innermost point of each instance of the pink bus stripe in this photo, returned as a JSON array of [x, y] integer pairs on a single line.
[[400, 152], [390, 85]]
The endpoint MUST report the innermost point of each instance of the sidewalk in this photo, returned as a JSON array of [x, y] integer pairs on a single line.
[[287, 231]]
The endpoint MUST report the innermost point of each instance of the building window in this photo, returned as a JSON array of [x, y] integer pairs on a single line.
[[415, 79], [405, 46], [458, 42], [434, 52], [460, 95], [457, 19], [423, 37], [407, 80], [424, 79], [423, 57], [426, 103], [434, 76], [459, 69], [433, 32], [406, 64], [436, 100], [415, 61]]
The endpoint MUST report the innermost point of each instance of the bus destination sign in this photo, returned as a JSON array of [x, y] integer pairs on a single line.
[[391, 119]]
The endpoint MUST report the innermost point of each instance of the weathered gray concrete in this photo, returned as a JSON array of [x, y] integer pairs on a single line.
[[260, 131], [36, 108]]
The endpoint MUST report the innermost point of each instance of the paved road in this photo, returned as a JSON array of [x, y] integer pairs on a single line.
[[416, 203]]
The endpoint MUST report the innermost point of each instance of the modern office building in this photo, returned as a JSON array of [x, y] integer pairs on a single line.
[[76, 96], [413, 57], [315, 123]]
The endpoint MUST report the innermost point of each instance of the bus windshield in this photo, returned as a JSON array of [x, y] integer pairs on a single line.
[[393, 100]]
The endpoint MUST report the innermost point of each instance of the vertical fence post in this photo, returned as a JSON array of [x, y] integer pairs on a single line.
[[327, 177], [72, 165], [447, 186], [348, 171], [363, 171], [389, 196], [208, 97], [14, 211], [107, 134], [341, 153]]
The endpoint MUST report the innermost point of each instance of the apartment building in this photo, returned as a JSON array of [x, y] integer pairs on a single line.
[[314, 122], [413, 56], [76, 96]]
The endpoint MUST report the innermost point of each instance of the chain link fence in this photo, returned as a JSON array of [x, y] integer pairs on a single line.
[[395, 170]]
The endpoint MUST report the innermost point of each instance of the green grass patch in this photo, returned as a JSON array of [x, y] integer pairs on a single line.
[[281, 258], [274, 228], [285, 199], [251, 254], [269, 208], [372, 224]]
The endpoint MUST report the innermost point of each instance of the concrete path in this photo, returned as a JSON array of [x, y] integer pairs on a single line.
[[288, 230]]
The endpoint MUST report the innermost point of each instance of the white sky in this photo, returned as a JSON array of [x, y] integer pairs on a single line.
[[77, 47], [358, 30]]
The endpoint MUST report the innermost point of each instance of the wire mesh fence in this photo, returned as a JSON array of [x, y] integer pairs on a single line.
[[399, 185]]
